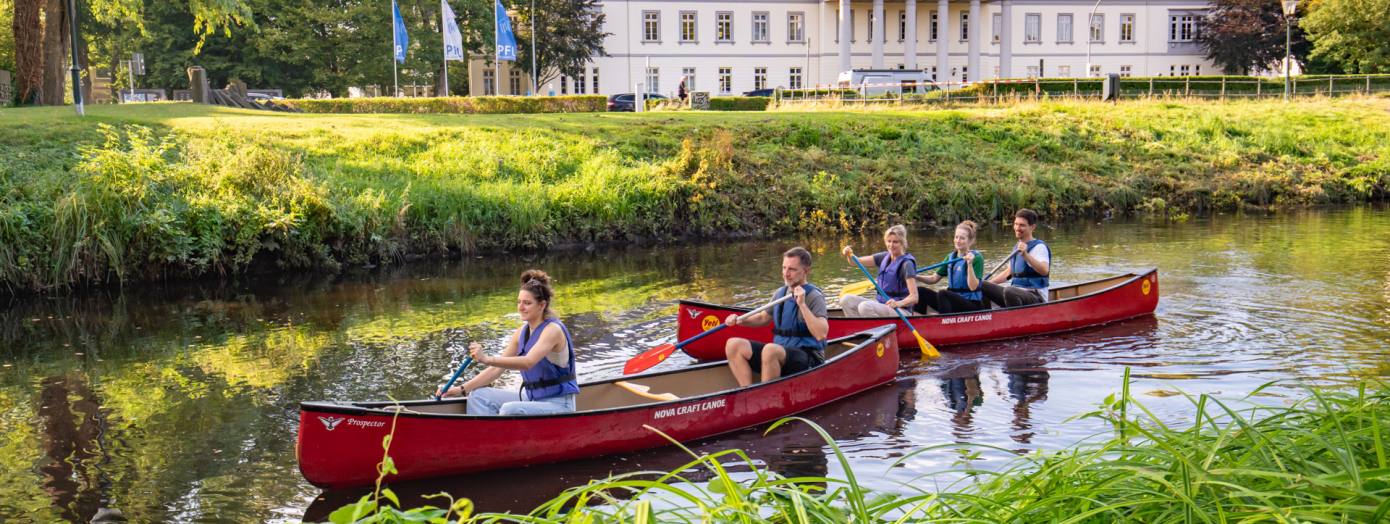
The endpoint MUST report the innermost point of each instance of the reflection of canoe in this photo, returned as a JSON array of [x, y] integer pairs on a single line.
[[339, 442], [1071, 307], [793, 450]]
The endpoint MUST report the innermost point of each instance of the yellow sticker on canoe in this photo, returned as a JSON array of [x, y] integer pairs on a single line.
[[879, 350], [1144, 287], [708, 323]]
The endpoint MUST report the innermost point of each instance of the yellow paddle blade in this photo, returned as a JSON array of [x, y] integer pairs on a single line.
[[928, 350], [857, 288]]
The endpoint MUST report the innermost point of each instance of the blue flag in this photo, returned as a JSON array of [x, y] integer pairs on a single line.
[[506, 41], [398, 31]]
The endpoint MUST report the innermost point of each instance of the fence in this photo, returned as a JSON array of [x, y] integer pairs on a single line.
[[997, 91]]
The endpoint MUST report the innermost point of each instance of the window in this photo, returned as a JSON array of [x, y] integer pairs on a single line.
[[1032, 28], [489, 82], [871, 26], [760, 30], [689, 74], [1064, 71], [794, 78], [1197, 70], [594, 79], [964, 74], [1182, 28], [1064, 31], [653, 80], [1185, 70], [1125, 71], [1172, 70], [1098, 28], [726, 80], [933, 73], [564, 85], [579, 83], [1033, 72], [1127, 28], [998, 23], [651, 26], [688, 26], [514, 81], [931, 29], [760, 78], [796, 27], [964, 26], [902, 25], [724, 27], [1095, 70]]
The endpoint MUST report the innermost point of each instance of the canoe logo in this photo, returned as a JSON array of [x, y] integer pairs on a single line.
[[1145, 287], [879, 350], [694, 314], [709, 322], [331, 423]]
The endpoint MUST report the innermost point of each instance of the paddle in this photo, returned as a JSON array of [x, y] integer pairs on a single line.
[[928, 350], [1001, 264], [858, 288], [466, 362], [657, 355]]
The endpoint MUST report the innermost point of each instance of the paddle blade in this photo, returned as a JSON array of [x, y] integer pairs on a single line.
[[648, 358], [928, 350], [857, 288]]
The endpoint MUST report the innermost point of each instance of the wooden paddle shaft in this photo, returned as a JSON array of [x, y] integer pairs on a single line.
[[767, 306]]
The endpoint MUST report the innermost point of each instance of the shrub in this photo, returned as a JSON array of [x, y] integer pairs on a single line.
[[455, 104], [739, 103]]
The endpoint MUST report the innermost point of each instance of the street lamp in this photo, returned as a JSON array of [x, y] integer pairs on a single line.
[[1289, 7], [1090, 21]]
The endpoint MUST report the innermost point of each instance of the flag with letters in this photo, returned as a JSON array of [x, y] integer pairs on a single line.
[[398, 32], [506, 41], [453, 38]]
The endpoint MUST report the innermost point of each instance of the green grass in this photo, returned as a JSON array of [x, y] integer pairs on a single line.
[[1320, 459], [179, 190]]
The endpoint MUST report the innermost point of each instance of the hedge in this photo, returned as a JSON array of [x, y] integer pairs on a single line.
[[739, 103], [1196, 85], [455, 104]]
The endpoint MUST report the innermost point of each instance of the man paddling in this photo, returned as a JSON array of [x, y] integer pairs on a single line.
[[799, 328], [1028, 270]]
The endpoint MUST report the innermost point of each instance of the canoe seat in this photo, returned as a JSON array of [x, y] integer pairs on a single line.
[[645, 391]]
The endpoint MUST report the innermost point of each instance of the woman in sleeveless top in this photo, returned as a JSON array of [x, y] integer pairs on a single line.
[[540, 349], [897, 271], [963, 277]]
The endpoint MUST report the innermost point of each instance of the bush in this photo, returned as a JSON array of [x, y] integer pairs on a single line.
[[739, 103], [455, 104]]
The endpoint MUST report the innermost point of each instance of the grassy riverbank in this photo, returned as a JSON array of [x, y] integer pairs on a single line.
[[153, 191]]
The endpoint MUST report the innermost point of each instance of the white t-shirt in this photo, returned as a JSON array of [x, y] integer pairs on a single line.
[[1042, 253]]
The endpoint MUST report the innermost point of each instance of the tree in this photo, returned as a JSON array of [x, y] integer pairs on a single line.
[[572, 34], [1243, 35], [1352, 33], [28, 43], [7, 35]]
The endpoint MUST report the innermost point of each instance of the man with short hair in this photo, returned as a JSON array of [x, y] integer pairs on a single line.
[[799, 328], [1027, 270]]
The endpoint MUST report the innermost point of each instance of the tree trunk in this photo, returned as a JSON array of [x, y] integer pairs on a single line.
[[55, 41], [28, 31]]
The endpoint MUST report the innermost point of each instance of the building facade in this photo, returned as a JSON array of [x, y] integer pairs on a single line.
[[728, 47]]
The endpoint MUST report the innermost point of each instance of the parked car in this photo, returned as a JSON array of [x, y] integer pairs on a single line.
[[263, 97], [624, 101], [882, 81], [760, 92]]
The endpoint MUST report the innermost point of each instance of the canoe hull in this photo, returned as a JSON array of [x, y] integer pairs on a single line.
[[339, 444], [1130, 297]]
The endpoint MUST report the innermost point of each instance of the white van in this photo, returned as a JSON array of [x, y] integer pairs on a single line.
[[872, 82]]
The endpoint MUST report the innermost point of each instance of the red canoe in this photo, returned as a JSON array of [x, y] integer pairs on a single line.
[[1070, 307], [340, 443]]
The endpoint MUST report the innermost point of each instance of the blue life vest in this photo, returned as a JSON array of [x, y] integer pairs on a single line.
[[959, 279], [889, 281], [789, 330], [545, 379], [1023, 274]]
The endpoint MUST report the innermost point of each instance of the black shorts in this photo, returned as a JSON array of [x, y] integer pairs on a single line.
[[798, 359]]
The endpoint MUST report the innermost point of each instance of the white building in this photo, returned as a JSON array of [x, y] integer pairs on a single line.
[[731, 46]]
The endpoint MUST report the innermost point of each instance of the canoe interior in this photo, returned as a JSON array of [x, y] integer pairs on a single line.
[[1054, 294], [693, 381]]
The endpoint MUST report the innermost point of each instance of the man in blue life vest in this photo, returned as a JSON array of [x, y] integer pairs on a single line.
[[799, 328], [1027, 271]]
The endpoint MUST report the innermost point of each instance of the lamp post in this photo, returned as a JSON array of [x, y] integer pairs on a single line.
[[1089, 22], [76, 71], [1289, 7]]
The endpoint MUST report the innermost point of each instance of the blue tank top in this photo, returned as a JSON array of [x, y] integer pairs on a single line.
[[958, 278], [1023, 275], [545, 379], [893, 284], [789, 330]]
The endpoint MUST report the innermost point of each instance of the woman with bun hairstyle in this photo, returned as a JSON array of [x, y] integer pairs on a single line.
[[540, 349], [963, 276]]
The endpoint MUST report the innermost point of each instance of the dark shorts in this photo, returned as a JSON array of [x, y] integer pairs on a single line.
[[798, 359]]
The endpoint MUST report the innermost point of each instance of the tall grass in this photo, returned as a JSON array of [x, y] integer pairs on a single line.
[[178, 190], [1320, 459]]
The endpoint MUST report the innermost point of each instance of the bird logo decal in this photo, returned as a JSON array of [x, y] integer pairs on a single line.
[[330, 423]]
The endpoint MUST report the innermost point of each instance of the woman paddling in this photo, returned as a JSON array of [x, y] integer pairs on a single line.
[[963, 276], [897, 271], [540, 349]]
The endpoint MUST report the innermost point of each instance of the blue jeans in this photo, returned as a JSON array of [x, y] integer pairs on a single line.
[[494, 401]]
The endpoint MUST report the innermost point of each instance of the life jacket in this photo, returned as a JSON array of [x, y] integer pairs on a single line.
[[545, 379], [789, 330], [1023, 275], [959, 280], [888, 279]]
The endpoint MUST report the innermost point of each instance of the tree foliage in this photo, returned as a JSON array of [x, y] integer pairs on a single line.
[[1352, 33], [571, 34], [1245, 35]]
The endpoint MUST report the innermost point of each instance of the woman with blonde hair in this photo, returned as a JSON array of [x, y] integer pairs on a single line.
[[964, 272], [897, 270]]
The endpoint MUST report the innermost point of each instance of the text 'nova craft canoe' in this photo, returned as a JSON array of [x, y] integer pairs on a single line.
[[1070, 307], [340, 442]]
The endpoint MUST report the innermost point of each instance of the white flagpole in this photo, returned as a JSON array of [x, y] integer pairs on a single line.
[[496, 50], [444, 47], [395, 79], [535, 75]]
